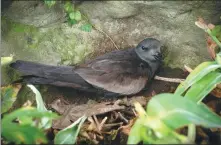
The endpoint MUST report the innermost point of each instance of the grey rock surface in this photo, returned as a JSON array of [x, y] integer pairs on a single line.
[[32, 31]]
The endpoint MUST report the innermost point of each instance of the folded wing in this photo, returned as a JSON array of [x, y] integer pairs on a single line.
[[119, 76]]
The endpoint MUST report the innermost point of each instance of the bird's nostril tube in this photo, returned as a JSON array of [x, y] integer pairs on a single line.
[[158, 54]]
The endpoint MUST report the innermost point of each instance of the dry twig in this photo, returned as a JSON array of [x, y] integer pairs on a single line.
[[102, 123], [113, 124], [174, 80], [188, 68], [134, 112], [122, 117], [101, 32]]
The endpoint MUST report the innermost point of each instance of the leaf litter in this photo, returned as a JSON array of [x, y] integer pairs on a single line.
[[73, 112], [106, 118], [111, 120]]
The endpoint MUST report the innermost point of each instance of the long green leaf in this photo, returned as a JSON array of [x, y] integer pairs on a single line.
[[199, 72], [200, 89], [45, 121], [69, 134], [177, 111], [135, 136], [38, 97], [24, 131], [152, 130], [27, 111], [218, 58]]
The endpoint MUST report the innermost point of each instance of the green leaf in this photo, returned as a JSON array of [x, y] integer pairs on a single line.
[[27, 111], [72, 21], [6, 60], [77, 16], [38, 97], [135, 136], [171, 139], [203, 87], [8, 96], [218, 58], [216, 31], [24, 120], [157, 131], [69, 134], [198, 73], [72, 15], [177, 111], [50, 3], [25, 131], [152, 131], [68, 7], [86, 27], [45, 122], [25, 134]]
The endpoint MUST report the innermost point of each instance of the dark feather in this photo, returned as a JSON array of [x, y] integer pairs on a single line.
[[36, 73], [123, 72]]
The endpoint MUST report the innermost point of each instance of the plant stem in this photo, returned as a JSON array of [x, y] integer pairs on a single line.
[[191, 133], [213, 37]]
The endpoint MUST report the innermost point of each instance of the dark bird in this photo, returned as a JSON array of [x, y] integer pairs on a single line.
[[122, 72]]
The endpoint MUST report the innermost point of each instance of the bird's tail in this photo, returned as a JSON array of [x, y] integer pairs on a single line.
[[36, 73]]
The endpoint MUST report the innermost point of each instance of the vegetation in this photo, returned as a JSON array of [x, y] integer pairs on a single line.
[[167, 112], [28, 124], [72, 13], [164, 114]]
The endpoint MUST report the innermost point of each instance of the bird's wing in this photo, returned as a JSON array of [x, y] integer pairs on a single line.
[[118, 76]]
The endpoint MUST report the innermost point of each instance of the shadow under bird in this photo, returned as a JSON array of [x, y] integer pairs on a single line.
[[120, 72]]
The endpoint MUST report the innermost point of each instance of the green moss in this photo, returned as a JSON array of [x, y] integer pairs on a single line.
[[17, 27], [24, 95], [27, 34], [166, 60], [71, 51], [57, 44], [8, 75], [166, 56]]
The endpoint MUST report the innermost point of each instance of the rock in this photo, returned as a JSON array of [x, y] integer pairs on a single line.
[[34, 13], [172, 22], [60, 44], [32, 31], [113, 9]]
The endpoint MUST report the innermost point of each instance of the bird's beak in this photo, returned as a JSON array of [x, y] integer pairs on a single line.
[[158, 56]]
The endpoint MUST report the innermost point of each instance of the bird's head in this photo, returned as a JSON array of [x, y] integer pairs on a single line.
[[149, 50]]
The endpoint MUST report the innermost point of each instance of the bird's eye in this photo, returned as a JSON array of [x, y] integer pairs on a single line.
[[144, 48]]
